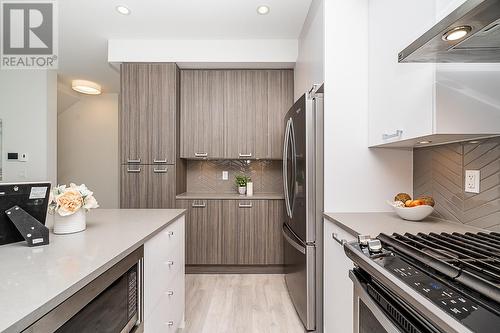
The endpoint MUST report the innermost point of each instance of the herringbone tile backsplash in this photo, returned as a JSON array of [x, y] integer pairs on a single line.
[[206, 176], [440, 171]]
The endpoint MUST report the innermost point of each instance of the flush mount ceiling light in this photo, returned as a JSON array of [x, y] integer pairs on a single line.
[[473, 142], [124, 10], [457, 33], [86, 87], [263, 10], [424, 142]]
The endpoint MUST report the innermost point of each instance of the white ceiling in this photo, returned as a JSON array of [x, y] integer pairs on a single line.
[[86, 25]]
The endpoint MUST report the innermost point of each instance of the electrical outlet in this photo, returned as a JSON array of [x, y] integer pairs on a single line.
[[472, 181], [225, 175]]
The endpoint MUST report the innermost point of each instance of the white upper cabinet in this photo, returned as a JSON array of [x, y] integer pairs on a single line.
[[414, 102]]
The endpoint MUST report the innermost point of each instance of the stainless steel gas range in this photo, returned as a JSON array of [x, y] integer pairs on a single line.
[[426, 283]]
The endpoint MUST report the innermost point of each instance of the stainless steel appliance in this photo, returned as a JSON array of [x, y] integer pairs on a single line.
[[471, 33], [427, 283], [111, 303], [303, 186]]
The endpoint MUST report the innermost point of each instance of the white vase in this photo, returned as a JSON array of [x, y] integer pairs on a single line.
[[249, 189], [242, 190], [70, 224]]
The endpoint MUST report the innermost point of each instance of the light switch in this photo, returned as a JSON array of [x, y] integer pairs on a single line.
[[225, 175]]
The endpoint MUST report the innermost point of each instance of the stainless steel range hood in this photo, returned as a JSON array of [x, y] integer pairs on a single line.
[[479, 19]]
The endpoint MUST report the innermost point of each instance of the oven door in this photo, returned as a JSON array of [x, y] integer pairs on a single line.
[[376, 311]]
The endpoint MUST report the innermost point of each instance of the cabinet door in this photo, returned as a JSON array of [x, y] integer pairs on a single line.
[[273, 235], [203, 231], [134, 121], [202, 113], [134, 186], [401, 95], [245, 109], [279, 101], [160, 186], [162, 110], [244, 232], [338, 289]]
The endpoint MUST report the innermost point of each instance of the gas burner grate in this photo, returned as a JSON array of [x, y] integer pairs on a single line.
[[471, 259]]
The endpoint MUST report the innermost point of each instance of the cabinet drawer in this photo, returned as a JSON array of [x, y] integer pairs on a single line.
[[168, 313], [163, 261]]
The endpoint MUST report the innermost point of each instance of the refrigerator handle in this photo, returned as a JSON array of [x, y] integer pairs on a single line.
[[285, 168], [292, 242]]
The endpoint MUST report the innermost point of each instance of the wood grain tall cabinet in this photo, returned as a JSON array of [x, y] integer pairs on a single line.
[[151, 168]]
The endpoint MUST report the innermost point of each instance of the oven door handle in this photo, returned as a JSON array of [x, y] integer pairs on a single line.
[[360, 292]]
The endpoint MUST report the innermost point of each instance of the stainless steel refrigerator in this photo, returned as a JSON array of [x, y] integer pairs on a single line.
[[303, 187]]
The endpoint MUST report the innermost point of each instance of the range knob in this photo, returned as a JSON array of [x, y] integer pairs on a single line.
[[374, 246], [363, 240]]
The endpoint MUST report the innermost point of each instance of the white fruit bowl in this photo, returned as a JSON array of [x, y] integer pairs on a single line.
[[417, 213]]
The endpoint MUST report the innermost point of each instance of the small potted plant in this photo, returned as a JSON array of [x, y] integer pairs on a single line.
[[69, 205], [241, 184]]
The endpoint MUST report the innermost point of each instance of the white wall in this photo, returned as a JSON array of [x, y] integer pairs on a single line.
[[88, 147], [309, 68], [269, 51], [28, 110], [357, 179]]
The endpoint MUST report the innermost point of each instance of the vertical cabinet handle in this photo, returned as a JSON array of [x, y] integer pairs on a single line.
[[200, 154], [397, 134], [134, 161], [133, 170], [245, 155], [244, 205], [160, 161]]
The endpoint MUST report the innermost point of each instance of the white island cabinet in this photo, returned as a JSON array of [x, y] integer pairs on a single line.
[[414, 102], [338, 289], [164, 282]]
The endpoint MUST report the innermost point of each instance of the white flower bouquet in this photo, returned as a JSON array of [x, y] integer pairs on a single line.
[[66, 201]]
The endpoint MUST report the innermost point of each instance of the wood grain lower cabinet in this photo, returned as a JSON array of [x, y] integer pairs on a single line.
[[203, 231], [244, 232], [147, 186], [233, 232]]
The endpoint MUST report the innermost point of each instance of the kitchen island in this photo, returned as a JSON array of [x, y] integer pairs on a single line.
[[35, 280]]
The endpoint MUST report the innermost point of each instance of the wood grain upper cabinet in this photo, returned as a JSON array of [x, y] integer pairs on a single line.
[[202, 113], [163, 103], [279, 101], [203, 231], [135, 142], [148, 113], [245, 109]]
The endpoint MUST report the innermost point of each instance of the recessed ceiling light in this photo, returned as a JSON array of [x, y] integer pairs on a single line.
[[123, 10], [86, 87], [457, 33], [263, 10], [424, 142]]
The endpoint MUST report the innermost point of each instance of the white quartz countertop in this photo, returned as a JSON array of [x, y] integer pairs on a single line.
[[35, 280], [373, 224]]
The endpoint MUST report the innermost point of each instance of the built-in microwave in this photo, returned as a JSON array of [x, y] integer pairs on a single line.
[[111, 303]]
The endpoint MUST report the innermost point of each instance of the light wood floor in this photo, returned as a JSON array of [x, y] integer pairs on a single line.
[[237, 303]]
